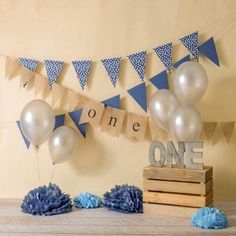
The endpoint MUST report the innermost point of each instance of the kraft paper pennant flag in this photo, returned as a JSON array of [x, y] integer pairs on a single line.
[[59, 121], [25, 76], [53, 69], [191, 42], [112, 66], [82, 71], [57, 93], [138, 61], [136, 126], [75, 116], [11, 68], [92, 113], [29, 63], [112, 120], [27, 142], [156, 132], [164, 52], [160, 80], [113, 102], [209, 50], [40, 84], [227, 129], [182, 60], [209, 129], [73, 100], [139, 94]]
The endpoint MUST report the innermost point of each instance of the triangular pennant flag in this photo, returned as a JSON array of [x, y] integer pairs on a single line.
[[27, 142], [138, 60], [82, 71], [57, 93], [73, 100], [75, 116], [160, 80], [113, 102], [59, 121], [164, 52], [209, 129], [227, 129], [182, 60], [29, 63], [139, 94], [53, 69], [40, 84], [209, 50], [11, 68], [25, 76], [191, 42], [112, 66]]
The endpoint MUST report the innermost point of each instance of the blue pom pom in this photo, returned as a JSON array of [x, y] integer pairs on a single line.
[[124, 198], [87, 200], [46, 200], [209, 218]]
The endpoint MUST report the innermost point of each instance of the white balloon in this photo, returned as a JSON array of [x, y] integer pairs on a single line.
[[190, 82], [161, 105], [37, 121]]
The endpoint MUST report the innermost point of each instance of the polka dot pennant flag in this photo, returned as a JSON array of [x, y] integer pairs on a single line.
[[138, 60], [164, 52], [27, 142], [53, 69], [82, 71], [29, 63], [191, 42], [112, 66]]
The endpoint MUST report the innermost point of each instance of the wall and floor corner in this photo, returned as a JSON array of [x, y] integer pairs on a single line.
[[77, 29]]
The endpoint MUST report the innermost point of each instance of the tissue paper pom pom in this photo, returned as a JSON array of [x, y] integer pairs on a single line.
[[46, 201], [124, 198], [87, 200], [209, 218]]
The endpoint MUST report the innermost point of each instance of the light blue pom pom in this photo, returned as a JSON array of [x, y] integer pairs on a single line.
[[209, 218], [87, 200]]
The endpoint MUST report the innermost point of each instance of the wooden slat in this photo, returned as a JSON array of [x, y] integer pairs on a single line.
[[176, 174], [177, 187]]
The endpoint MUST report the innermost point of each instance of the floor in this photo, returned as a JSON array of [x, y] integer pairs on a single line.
[[103, 222]]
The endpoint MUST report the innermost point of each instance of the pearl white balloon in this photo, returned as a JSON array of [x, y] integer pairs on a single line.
[[185, 123], [190, 82], [161, 105], [63, 144], [37, 121]]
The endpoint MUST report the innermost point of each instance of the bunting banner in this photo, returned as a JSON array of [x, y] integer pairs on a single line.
[[209, 129], [27, 142], [59, 121], [160, 81], [112, 66], [139, 94], [181, 61], [138, 61], [191, 42], [112, 102], [25, 76], [227, 129], [30, 64], [58, 93], [164, 52], [73, 100], [12, 66], [82, 71], [53, 69]]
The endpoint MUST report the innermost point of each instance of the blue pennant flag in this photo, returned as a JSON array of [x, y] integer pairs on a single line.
[[59, 121], [191, 42], [82, 71], [209, 50], [29, 63], [160, 80], [139, 94], [112, 66], [75, 116], [27, 142], [138, 60], [182, 60], [164, 52], [53, 69], [113, 102]]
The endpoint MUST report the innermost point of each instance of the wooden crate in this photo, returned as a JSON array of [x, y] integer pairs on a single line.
[[177, 191]]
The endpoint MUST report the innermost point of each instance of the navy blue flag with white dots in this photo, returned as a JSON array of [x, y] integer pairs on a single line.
[[191, 42], [138, 61], [29, 63], [82, 71], [112, 66], [164, 52], [53, 69]]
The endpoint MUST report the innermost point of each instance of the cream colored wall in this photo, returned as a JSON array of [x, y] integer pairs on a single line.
[[95, 29]]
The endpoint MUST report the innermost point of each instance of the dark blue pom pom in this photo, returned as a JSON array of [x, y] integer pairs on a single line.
[[46, 200], [124, 198]]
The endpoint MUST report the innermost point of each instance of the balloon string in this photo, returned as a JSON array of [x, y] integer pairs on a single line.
[[38, 168], [53, 173]]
